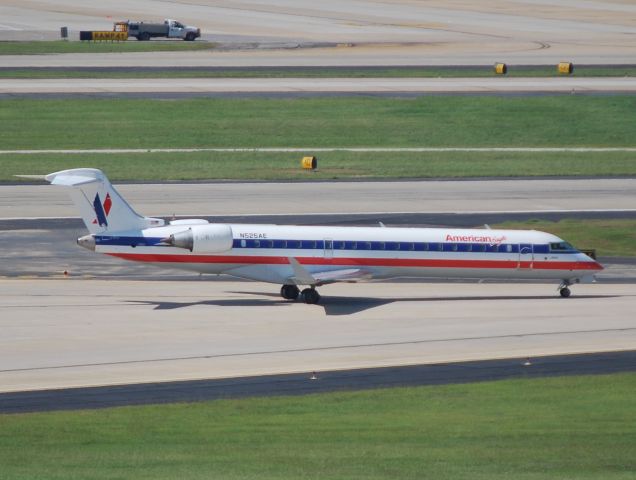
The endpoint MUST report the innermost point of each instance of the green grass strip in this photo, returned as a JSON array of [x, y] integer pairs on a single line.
[[61, 46], [616, 238], [331, 165], [302, 72], [427, 121], [555, 428]]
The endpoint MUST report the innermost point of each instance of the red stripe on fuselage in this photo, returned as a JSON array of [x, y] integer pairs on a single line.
[[366, 262]]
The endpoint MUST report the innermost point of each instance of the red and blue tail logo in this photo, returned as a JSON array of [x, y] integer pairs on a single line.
[[102, 210]]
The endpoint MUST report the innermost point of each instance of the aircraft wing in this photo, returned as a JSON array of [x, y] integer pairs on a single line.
[[303, 277]]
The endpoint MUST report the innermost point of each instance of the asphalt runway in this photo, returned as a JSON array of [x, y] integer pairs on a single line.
[[317, 382], [364, 32], [80, 332], [245, 199], [77, 332], [320, 85], [43, 219], [45, 247], [111, 322]]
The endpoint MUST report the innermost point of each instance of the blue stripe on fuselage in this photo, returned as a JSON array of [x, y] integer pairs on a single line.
[[127, 241]]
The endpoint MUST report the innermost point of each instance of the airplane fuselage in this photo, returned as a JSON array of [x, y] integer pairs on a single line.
[[263, 252], [311, 256]]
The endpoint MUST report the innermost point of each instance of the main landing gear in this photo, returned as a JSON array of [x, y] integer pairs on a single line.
[[564, 291], [308, 295], [289, 292]]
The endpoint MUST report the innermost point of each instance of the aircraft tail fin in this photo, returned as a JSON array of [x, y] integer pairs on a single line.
[[102, 208]]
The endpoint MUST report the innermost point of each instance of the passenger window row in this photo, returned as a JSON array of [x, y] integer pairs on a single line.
[[390, 246]]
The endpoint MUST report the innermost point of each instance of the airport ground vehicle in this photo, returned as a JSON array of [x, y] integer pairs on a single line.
[[311, 256], [168, 29]]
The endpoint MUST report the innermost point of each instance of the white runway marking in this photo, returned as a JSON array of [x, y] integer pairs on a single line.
[[324, 149], [9, 27]]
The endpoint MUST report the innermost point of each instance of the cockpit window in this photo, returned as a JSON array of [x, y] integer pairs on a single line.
[[560, 247]]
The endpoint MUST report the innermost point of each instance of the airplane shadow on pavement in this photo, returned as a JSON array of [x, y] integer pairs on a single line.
[[346, 305]]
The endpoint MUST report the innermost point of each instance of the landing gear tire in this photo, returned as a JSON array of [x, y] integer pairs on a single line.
[[289, 292], [565, 292], [310, 296]]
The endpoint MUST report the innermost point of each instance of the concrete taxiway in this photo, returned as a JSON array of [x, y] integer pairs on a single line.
[[76, 332], [364, 32], [45, 247], [320, 85], [317, 382], [456, 196]]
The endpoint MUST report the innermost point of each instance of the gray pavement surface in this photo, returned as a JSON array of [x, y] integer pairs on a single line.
[[138, 324], [45, 248], [39, 223], [76, 332], [321, 85], [80, 332], [317, 382], [244, 199], [366, 32]]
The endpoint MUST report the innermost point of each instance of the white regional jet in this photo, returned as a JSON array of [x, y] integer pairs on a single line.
[[312, 256]]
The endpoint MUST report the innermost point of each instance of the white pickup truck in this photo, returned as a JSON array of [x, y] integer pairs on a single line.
[[168, 29]]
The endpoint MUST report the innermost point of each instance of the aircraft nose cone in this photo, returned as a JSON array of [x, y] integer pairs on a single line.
[[87, 242]]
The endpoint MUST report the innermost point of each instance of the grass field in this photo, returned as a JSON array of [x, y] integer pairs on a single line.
[[459, 121], [61, 46], [304, 72], [332, 165], [557, 428], [615, 238], [473, 121]]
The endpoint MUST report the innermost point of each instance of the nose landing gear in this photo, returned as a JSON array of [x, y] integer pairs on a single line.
[[564, 291]]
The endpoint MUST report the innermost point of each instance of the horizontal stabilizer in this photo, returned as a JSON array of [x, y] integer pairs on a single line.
[[75, 177], [70, 180], [32, 177]]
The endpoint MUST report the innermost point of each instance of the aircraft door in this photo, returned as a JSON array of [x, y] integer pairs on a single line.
[[526, 257], [328, 252]]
